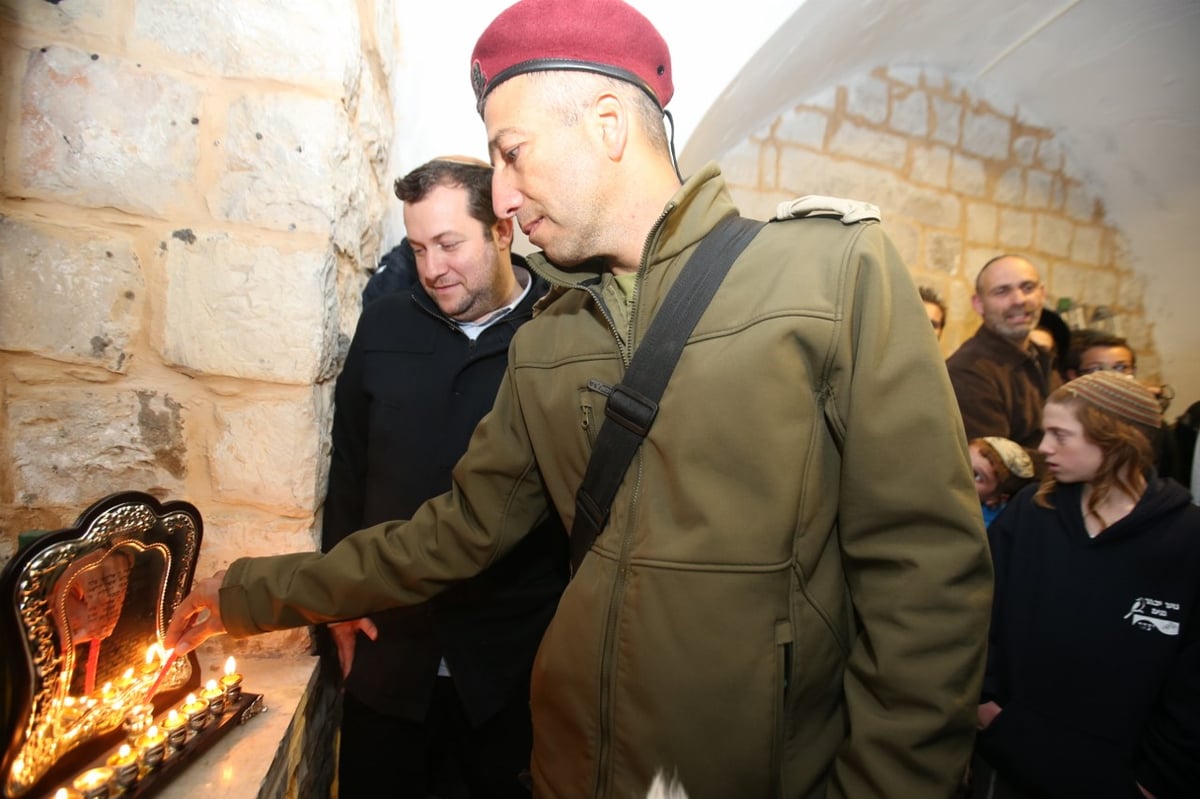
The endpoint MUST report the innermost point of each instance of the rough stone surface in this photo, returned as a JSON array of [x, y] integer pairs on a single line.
[[930, 165], [80, 146], [910, 113], [1081, 203], [869, 145], [1085, 247], [68, 19], [967, 175], [947, 120], [1016, 228], [241, 38], [907, 239], [70, 449], [68, 297], [289, 163], [1010, 187], [1037, 189], [1025, 148], [943, 252], [249, 533], [803, 127], [1053, 235], [214, 318], [1050, 154], [1069, 280], [742, 166], [981, 223], [986, 135], [882, 187], [253, 464], [868, 98]]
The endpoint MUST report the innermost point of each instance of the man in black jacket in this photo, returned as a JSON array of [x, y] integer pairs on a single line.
[[442, 688]]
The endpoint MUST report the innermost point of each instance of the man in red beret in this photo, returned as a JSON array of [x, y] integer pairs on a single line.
[[790, 597]]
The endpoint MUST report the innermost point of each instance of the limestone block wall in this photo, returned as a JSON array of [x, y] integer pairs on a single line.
[[960, 177], [191, 195]]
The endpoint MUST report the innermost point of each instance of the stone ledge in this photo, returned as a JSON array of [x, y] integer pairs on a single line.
[[285, 751]]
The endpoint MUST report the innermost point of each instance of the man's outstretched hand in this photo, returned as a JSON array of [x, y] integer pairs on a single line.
[[198, 616]]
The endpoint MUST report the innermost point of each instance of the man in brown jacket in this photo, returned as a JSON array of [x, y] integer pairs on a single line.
[[1000, 377], [780, 605]]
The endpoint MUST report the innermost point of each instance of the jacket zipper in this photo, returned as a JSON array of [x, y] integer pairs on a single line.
[[622, 576]]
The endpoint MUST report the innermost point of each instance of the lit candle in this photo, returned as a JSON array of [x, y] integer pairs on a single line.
[[107, 692], [66, 793], [196, 712], [150, 667], [231, 683], [93, 783], [151, 747], [175, 726], [125, 767], [137, 720], [125, 680], [215, 697]]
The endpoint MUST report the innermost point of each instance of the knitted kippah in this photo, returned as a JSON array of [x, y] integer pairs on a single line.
[[1015, 458], [608, 37], [1118, 394]]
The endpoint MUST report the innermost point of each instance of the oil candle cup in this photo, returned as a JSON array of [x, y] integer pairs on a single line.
[[138, 719], [93, 783], [231, 683], [151, 748], [196, 711], [125, 767], [215, 697], [175, 727]]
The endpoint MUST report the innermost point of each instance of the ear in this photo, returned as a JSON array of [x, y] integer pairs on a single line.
[[502, 233], [977, 304], [612, 119]]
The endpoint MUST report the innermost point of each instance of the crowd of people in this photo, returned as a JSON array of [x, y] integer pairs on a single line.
[[772, 599]]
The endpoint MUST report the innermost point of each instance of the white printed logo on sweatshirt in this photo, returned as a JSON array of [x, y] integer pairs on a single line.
[[1154, 614]]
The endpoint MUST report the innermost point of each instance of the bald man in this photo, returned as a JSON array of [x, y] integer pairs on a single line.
[[1001, 378]]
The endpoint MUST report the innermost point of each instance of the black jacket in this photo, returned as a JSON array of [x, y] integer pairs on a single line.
[[1095, 648], [409, 396]]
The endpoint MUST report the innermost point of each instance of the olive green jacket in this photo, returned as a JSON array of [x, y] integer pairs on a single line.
[[791, 597]]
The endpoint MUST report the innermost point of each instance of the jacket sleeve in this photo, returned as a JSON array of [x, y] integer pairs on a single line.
[[912, 539], [496, 498], [345, 498]]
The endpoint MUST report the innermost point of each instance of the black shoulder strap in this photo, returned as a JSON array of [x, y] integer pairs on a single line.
[[633, 403]]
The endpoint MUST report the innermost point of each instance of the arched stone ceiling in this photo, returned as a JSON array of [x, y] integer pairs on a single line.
[[1119, 82]]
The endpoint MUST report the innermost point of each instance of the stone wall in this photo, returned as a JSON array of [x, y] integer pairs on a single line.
[[190, 199], [960, 178]]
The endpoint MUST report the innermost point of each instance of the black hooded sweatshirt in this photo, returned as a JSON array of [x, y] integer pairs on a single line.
[[1094, 651]]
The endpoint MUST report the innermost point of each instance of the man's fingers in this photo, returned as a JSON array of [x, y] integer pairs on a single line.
[[343, 638], [368, 628], [197, 617]]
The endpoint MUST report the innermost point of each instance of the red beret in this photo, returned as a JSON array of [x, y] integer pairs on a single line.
[[605, 36]]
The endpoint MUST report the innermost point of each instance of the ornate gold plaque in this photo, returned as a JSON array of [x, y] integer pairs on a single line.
[[82, 618]]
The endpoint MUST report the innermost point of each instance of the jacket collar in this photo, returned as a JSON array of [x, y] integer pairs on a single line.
[[523, 308], [688, 216]]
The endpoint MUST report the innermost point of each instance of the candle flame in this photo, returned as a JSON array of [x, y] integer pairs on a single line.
[[210, 686], [191, 699], [173, 717], [61, 793], [124, 751], [129, 673], [230, 665]]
